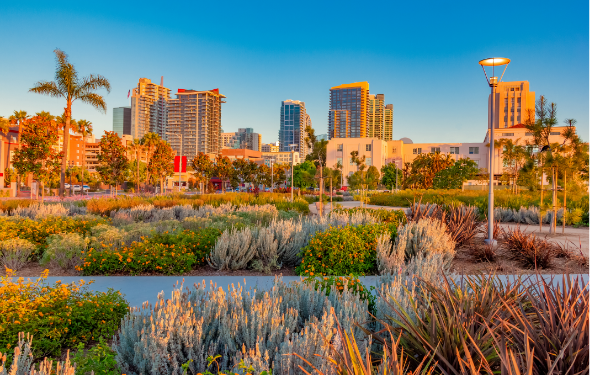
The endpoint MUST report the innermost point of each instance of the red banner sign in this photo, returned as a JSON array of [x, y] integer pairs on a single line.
[[177, 163]]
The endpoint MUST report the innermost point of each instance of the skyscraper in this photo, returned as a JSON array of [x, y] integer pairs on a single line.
[[122, 120], [347, 117], [196, 115], [513, 103], [294, 119], [379, 118], [149, 109]]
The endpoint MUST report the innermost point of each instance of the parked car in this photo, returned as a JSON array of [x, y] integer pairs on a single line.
[[76, 188], [85, 187], [66, 186]]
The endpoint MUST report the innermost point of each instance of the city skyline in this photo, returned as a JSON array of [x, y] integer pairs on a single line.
[[432, 79]]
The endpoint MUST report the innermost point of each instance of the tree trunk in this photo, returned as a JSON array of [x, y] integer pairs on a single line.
[[321, 189], [83, 162], [331, 193], [20, 130], [66, 144], [137, 179], [42, 191], [541, 205], [554, 200]]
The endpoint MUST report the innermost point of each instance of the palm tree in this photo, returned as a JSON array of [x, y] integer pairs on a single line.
[[67, 85], [84, 128], [137, 148], [149, 141]]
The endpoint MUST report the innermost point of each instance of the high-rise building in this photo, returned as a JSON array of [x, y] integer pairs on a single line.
[[149, 109], [388, 119], [514, 103], [379, 118], [347, 117], [230, 140], [122, 121], [294, 119], [249, 140], [196, 116]]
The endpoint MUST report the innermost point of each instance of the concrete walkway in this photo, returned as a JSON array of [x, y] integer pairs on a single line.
[[574, 238], [139, 289]]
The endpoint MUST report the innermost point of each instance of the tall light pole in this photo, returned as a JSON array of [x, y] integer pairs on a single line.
[[493, 82], [179, 162], [292, 146]]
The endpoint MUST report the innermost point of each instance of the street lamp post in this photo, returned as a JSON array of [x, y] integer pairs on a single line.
[[292, 146], [179, 162], [493, 82]]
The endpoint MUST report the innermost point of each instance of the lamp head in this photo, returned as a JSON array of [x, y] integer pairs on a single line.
[[493, 62]]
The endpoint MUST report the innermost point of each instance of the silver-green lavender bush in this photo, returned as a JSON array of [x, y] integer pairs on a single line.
[[260, 328], [426, 236], [23, 362], [15, 252], [64, 250], [234, 249]]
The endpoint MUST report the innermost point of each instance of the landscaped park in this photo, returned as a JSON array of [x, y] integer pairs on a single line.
[[404, 285]]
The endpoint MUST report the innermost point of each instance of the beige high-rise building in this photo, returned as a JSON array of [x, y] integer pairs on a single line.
[[149, 109], [196, 115], [513, 104], [379, 118]]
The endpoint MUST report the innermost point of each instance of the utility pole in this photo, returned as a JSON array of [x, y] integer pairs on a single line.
[[180, 165], [292, 161]]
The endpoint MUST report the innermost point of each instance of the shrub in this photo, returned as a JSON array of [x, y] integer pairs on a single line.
[[233, 250], [11, 204], [261, 329], [343, 250], [23, 362], [64, 250], [37, 231], [338, 284], [166, 253], [383, 215], [99, 359], [529, 250], [59, 315], [425, 237], [15, 252], [481, 252]]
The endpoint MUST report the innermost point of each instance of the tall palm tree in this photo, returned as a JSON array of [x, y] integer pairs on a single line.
[[150, 141], [84, 128], [136, 147], [67, 85]]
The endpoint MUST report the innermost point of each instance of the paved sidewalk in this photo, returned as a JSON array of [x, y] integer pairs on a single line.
[[139, 289]]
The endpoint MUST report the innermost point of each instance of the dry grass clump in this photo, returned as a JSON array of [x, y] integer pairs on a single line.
[[527, 249], [482, 252]]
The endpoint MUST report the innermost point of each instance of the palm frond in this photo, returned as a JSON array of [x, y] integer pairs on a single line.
[[93, 82], [47, 88], [95, 100], [65, 73]]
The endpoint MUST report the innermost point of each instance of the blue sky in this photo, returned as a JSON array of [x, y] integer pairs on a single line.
[[422, 55]]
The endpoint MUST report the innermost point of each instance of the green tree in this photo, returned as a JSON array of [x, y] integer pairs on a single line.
[[67, 85], [113, 163], [391, 175], [513, 158], [453, 177], [373, 177], [303, 174], [161, 165], [421, 172], [279, 172], [202, 169], [37, 153], [241, 170], [223, 170], [318, 149]]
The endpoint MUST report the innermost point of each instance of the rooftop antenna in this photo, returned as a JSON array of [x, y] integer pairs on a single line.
[[162, 81]]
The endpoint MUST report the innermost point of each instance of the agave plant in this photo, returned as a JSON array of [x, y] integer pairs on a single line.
[[529, 250]]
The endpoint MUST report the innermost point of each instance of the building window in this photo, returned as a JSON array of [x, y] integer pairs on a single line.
[[473, 150], [339, 160], [434, 150], [555, 133], [417, 150], [368, 162], [395, 150], [454, 150], [339, 147], [368, 147], [528, 134], [508, 134]]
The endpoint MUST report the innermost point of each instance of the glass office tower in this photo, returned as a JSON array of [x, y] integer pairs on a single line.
[[294, 119], [122, 121]]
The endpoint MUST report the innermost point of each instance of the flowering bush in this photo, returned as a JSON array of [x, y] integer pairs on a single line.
[[166, 253], [343, 250], [37, 231], [58, 316]]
